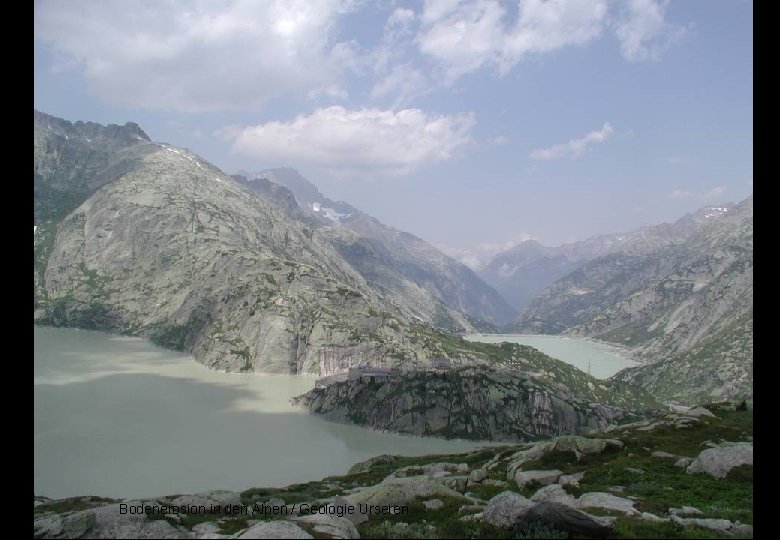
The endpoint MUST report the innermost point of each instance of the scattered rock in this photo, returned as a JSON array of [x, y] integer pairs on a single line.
[[523, 478], [635, 471], [477, 476], [685, 511], [275, 529], [652, 517], [568, 443], [567, 519], [617, 489], [504, 509], [471, 508], [104, 522], [683, 462], [433, 504], [458, 483], [494, 482], [718, 461], [607, 501], [571, 479]]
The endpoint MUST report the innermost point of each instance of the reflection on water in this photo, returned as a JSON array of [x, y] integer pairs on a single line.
[[600, 359], [116, 416]]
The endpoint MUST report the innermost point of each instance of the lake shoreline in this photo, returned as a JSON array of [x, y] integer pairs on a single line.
[[92, 387], [622, 353]]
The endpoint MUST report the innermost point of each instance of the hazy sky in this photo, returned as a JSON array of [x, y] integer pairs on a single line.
[[472, 124]]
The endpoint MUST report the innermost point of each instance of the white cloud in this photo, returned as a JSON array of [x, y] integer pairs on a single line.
[[478, 256], [464, 36], [709, 194], [202, 55], [404, 82], [575, 147], [642, 30], [350, 142]]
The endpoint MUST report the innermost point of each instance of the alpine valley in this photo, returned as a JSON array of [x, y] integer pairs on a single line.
[[260, 273]]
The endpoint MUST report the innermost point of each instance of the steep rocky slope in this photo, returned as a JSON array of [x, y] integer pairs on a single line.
[[683, 301], [175, 250], [395, 261]]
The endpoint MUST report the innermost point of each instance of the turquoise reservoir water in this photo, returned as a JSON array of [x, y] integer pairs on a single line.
[[119, 417], [604, 360]]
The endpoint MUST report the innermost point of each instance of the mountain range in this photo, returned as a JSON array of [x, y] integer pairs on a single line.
[[259, 271], [680, 295]]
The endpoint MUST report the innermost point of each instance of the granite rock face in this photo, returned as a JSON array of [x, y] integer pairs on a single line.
[[469, 402], [152, 240]]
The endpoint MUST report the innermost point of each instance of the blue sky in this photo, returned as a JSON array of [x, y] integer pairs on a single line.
[[473, 124]]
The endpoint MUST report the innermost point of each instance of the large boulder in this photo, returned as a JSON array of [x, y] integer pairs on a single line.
[[718, 461], [567, 519], [505, 508]]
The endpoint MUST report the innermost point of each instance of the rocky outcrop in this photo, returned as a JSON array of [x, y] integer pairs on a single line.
[[471, 403]]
